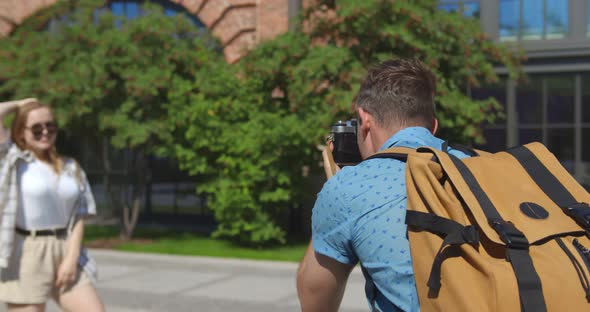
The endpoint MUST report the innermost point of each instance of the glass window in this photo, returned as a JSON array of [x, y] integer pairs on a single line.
[[118, 8], [495, 140], [545, 107], [530, 135], [132, 9], [468, 8], [529, 101], [560, 99], [494, 134], [471, 9], [561, 143], [533, 19], [553, 123], [556, 19], [586, 99], [586, 147], [497, 91], [129, 9], [449, 7], [509, 19]]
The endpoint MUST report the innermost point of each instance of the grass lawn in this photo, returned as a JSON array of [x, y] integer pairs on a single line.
[[183, 243]]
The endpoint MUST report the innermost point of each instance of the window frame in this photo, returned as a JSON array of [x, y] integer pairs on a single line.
[[544, 35]]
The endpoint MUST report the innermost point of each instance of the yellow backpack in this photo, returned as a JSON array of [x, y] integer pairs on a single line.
[[497, 232]]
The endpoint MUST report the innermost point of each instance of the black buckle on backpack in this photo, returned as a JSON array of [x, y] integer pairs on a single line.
[[580, 212], [509, 234]]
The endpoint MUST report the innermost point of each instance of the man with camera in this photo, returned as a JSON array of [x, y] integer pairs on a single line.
[[359, 214]]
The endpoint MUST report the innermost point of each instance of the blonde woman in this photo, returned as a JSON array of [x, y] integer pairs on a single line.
[[44, 198]]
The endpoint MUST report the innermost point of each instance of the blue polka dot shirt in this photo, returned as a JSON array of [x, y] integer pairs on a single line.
[[359, 216]]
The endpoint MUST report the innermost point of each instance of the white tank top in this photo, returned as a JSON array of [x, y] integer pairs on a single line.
[[46, 198]]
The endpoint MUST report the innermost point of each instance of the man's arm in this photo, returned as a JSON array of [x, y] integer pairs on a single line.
[[321, 282]]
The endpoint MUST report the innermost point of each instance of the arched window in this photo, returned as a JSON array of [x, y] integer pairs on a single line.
[[467, 8], [132, 9]]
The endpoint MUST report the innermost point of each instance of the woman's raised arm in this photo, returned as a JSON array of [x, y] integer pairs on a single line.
[[7, 108]]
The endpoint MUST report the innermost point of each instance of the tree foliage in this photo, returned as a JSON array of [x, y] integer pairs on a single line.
[[107, 76], [461, 55], [106, 73], [262, 135], [250, 131], [255, 146]]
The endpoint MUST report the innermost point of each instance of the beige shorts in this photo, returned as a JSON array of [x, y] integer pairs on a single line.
[[31, 273]]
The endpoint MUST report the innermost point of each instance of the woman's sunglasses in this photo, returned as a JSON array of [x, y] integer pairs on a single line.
[[37, 129]]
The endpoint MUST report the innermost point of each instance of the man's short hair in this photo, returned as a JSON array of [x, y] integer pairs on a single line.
[[399, 92]]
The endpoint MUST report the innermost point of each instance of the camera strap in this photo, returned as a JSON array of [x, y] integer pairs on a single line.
[[333, 166]]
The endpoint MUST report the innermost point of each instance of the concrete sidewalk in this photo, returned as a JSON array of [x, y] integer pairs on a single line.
[[149, 282]]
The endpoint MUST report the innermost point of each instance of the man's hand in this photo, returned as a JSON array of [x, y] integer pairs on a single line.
[[67, 271], [321, 282]]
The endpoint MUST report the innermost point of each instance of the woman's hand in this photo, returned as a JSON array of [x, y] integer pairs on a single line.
[[67, 271], [11, 106], [8, 108], [26, 101]]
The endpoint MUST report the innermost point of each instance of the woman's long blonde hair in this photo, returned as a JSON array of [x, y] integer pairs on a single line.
[[19, 125]]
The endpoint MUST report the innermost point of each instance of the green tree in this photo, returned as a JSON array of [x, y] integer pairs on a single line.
[[249, 130], [108, 77], [461, 55], [261, 131]]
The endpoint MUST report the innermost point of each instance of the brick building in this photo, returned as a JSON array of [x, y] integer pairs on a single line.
[[238, 24]]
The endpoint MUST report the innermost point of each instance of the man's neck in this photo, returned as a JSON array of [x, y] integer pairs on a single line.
[[381, 135]]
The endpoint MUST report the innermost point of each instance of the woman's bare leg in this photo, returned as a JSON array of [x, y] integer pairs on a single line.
[[80, 298]]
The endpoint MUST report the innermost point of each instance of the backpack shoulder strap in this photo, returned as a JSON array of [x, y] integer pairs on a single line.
[[399, 153], [467, 150]]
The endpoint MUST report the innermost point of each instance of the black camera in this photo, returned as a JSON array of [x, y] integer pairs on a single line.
[[346, 151]]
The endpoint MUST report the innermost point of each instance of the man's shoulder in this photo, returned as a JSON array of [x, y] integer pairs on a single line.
[[370, 165], [350, 177]]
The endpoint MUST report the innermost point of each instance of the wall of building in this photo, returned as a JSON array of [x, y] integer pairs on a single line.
[[238, 24]]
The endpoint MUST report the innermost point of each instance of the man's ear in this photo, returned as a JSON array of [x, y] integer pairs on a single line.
[[434, 125], [365, 121]]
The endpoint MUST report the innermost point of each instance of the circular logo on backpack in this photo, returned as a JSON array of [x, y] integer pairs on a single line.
[[534, 211]]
